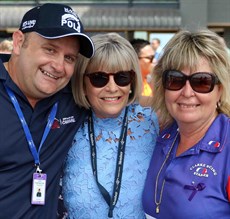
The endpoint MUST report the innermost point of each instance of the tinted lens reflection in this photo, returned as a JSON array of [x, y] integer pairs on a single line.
[[201, 82], [99, 79], [121, 78], [174, 80]]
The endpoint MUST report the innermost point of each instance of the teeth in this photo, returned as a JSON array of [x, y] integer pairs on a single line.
[[110, 98], [187, 106], [49, 75]]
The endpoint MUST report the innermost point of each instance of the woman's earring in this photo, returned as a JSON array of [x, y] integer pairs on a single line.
[[218, 104]]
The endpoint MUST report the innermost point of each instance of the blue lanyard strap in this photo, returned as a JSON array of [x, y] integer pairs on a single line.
[[28, 135]]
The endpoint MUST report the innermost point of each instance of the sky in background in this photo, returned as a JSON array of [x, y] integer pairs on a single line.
[[164, 37]]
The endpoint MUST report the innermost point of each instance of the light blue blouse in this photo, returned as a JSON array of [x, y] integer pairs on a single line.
[[82, 197]]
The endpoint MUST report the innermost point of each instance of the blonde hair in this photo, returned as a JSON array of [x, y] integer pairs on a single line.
[[185, 49], [6, 46], [112, 52]]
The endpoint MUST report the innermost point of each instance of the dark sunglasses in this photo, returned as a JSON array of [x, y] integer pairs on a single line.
[[201, 82], [150, 58], [121, 78]]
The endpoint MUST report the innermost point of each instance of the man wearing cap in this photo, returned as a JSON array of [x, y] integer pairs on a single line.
[[38, 115]]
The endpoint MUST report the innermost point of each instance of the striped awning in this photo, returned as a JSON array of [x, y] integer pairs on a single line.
[[107, 18]]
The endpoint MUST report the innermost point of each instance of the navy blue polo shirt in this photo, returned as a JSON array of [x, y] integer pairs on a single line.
[[16, 160]]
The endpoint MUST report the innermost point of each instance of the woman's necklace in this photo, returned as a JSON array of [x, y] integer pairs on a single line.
[[158, 202]]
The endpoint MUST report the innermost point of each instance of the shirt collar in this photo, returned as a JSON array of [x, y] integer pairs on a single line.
[[213, 141]]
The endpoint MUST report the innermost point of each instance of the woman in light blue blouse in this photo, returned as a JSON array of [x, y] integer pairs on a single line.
[[106, 167]]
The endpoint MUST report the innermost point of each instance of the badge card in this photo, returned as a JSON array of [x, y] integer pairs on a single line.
[[38, 189]]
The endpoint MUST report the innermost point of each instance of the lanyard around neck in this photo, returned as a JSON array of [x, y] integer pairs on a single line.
[[28, 135], [119, 165]]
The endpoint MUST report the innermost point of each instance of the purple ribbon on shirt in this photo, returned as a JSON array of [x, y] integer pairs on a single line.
[[195, 188]]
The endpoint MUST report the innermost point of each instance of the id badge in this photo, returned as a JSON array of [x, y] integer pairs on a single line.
[[38, 189]]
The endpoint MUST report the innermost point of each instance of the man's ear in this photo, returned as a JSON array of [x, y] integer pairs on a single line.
[[18, 39]]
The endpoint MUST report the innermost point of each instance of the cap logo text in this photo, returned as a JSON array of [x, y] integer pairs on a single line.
[[71, 21], [70, 11], [28, 24]]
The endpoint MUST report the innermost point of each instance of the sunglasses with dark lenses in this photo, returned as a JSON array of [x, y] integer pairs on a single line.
[[121, 78], [201, 82], [150, 58]]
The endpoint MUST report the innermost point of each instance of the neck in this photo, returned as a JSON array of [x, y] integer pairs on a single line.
[[9, 66], [6, 65], [187, 142], [189, 135]]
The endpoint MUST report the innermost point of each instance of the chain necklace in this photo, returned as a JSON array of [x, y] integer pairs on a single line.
[[158, 202]]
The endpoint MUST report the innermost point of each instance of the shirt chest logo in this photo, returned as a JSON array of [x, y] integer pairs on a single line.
[[63, 121], [203, 170]]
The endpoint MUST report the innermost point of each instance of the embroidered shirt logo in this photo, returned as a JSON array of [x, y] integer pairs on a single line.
[[166, 136], [216, 144], [67, 120], [203, 170], [55, 124], [64, 121]]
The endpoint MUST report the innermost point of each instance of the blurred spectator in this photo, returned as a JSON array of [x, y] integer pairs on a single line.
[[145, 54], [157, 48], [6, 46]]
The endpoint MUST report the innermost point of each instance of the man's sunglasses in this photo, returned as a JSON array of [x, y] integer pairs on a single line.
[[121, 78], [201, 82], [150, 58]]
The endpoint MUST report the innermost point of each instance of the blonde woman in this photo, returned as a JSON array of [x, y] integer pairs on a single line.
[[189, 175], [107, 164]]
